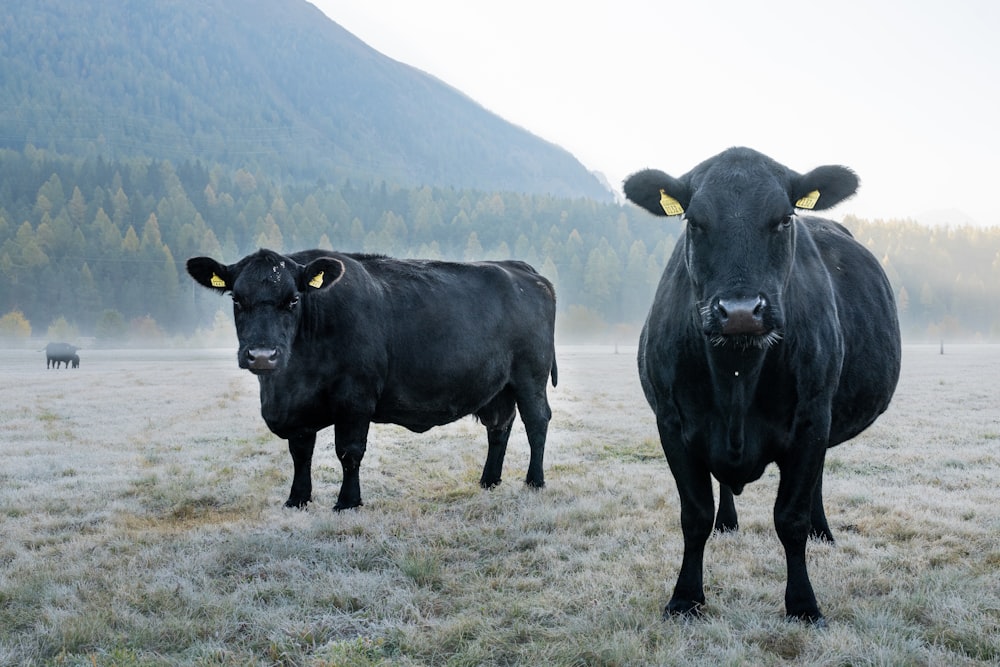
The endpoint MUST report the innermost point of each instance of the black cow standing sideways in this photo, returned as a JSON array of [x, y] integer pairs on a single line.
[[348, 339], [772, 337], [61, 353]]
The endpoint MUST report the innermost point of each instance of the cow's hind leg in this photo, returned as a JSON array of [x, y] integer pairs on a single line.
[[351, 443], [301, 449], [725, 519], [819, 527], [535, 413], [498, 418]]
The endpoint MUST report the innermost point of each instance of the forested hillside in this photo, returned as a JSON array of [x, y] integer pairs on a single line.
[[96, 248], [273, 86], [102, 245], [947, 279]]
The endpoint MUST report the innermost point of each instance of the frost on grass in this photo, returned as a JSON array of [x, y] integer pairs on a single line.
[[140, 503]]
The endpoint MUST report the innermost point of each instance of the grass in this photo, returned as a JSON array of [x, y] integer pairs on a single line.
[[140, 504]]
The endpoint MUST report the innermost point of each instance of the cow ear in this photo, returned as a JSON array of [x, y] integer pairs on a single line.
[[657, 192], [824, 187], [320, 274], [208, 272]]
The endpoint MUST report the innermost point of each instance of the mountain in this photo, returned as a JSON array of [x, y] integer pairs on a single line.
[[266, 85]]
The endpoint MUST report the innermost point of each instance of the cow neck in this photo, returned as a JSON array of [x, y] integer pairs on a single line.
[[732, 365], [735, 374]]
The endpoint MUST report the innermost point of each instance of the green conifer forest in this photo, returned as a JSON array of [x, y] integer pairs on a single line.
[[96, 249]]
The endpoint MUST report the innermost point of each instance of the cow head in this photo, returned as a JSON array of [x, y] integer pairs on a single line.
[[739, 242], [269, 294]]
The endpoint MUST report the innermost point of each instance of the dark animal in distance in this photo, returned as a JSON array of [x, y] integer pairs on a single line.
[[61, 353], [772, 337], [348, 339]]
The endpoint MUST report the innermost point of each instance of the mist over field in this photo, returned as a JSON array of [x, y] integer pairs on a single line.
[[135, 136], [141, 510]]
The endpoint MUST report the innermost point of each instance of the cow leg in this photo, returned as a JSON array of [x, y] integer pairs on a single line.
[[696, 524], [301, 449], [535, 414], [819, 528], [725, 519], [498, 418], [792, 512], [351, 443], [497, 438], [694, 486]]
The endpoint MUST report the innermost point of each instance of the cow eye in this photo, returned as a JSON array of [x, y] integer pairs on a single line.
[[294, 301], [237, 305], [784, 222]]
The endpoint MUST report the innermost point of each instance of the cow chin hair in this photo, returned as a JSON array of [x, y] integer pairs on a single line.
[[763, 342]]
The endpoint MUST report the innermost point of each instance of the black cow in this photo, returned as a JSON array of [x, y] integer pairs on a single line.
[[772, 337], [349, 339], [61, 353]]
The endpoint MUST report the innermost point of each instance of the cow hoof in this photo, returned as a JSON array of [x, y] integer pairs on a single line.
[[816, 619], [339, 507], [684, 609], [535, 484], [297, 503], [487, 484]]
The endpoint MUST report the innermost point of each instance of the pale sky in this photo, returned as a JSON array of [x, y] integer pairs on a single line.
[[906, 93]]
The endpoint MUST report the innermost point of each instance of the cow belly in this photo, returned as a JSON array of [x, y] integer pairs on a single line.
[[419, 399], [419, 416], [418, 422]]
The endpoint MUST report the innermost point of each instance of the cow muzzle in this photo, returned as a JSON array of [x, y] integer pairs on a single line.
[[744, 322], [261, 359], [740, 317]]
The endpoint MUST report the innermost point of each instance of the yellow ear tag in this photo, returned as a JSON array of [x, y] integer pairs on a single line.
[[317, 280], [670, 205], [217, 281], [809, 201]]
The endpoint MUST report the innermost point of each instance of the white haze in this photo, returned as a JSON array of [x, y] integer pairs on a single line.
[[904, 92]]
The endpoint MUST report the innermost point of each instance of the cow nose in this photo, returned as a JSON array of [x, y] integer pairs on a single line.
[[741, 316], [262, 358]]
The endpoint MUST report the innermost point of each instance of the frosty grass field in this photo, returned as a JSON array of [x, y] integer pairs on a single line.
[[142, 523]]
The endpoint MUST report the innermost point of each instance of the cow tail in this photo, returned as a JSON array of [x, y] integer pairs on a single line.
[[555, 370]]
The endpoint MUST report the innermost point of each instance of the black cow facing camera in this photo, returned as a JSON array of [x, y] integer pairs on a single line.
[[772, 337], [348, 339]]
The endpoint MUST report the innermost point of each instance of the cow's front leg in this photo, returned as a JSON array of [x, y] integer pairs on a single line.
[[792, 521], [301, 449], [694, 486], [351, 442], [697, 506]]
